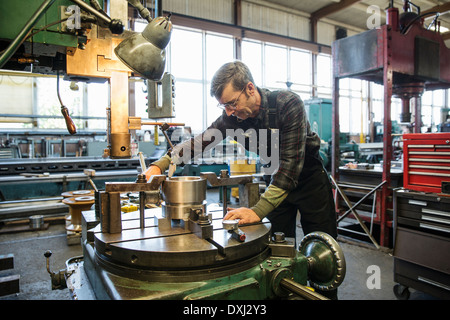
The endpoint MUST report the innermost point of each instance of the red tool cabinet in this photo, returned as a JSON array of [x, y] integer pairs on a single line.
[[426, 161]]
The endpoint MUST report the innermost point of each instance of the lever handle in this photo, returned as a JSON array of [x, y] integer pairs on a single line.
[[47, 255], [69, 123]]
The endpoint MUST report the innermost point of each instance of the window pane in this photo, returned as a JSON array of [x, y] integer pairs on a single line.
[[324, 74], [344, 119], [186, 59], [355, 116], [300, 72], [48, 103], [212, 111], [98, 94], [300, 67], [275, 67], [251, 56], [219, 50], [438, 97], [189, 105]]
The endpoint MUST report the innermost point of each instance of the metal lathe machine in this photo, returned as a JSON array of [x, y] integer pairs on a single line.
[[183, 249]]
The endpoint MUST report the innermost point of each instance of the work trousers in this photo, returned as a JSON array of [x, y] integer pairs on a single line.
[[313, 198]]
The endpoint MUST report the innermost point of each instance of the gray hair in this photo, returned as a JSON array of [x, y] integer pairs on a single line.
[[236, 72]]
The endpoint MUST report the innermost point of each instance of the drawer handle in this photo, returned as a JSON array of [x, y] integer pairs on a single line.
[[434, 283], [435, 219], [418, 203], [427, 226], [436, 212]]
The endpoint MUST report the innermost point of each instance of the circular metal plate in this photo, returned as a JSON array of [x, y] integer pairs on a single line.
[[178, 248]]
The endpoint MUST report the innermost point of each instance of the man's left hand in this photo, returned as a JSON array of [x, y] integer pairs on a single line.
[[244, 215]]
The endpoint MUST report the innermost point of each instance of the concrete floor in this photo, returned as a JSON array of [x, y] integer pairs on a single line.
[[29, 262]]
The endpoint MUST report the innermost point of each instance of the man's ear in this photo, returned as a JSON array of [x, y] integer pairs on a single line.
[[251, 88]]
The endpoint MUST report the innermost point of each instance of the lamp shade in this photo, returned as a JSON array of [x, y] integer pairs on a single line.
[[145, 53]]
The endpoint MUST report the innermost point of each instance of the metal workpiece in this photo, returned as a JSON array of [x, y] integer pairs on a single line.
[[184, 190], [76, 205]]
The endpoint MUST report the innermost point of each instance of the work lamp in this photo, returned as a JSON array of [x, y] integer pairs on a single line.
[[145, 53]]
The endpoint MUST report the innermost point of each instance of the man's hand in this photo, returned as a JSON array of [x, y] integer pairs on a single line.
[[152, 171], [245, 215]]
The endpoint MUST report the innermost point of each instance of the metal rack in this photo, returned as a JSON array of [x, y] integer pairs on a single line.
[[406, 62]]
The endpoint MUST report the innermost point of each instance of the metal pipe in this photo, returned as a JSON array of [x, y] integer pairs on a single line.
[[300, 290], [14, 45], [151, 123], [142, 210], [90, 9]]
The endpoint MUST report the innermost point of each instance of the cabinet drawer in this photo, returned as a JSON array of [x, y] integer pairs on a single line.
[[428, 250], [425, 226], [422, 278]]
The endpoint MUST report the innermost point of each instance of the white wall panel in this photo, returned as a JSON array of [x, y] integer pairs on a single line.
[[215, 10], [326, 33]]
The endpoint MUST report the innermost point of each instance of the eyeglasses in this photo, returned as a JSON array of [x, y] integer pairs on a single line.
[[231, 105]]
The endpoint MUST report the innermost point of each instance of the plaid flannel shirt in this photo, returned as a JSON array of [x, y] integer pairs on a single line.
[[296, 140]]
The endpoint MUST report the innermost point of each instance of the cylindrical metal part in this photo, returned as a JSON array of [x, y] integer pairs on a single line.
[[120, 145], [184, 190], [300, 290], [36, 221], [76, 206]]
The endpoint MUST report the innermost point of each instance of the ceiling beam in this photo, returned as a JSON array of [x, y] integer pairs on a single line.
[[440, 8], [332, 8]]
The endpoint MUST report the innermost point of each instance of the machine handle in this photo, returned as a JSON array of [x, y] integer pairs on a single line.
[[300, 290], [69, 123]]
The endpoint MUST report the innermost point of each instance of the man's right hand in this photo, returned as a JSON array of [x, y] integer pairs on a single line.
[[152, 171]]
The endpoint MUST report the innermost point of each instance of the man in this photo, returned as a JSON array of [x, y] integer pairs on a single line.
[[300, 183]]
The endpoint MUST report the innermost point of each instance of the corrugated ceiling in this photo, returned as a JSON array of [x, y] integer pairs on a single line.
[[354, 13]]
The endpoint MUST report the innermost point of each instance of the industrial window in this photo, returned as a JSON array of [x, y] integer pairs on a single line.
[[324, 87], [300, 72], [16, 93], [433, 110], [353, 106], [47, 103], [218, 50], [252, 56], [277, 67]]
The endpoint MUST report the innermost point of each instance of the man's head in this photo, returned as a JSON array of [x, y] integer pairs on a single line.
[[233, 86], [236, 73]]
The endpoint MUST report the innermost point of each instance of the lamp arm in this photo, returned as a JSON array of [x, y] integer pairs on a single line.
[[143, 11]]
